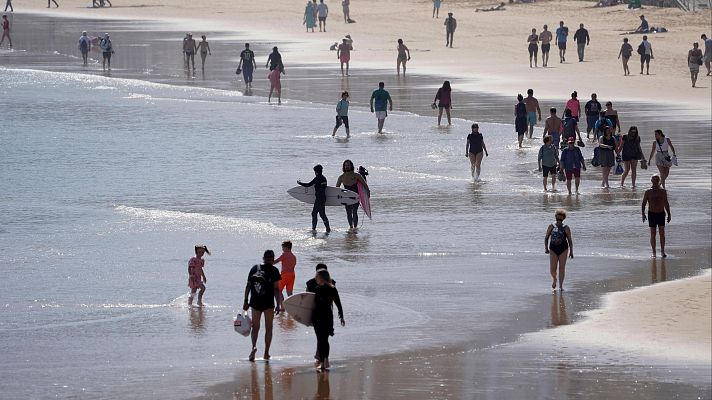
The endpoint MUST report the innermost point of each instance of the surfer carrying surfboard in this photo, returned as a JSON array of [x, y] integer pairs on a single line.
[[319, 183], [260, 294], [351, 181], [323, 316]]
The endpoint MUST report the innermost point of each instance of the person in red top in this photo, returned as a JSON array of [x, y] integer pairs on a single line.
[[289, 262], [5, 30]]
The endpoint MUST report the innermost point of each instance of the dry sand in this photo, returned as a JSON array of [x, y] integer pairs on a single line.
[[490, 47]]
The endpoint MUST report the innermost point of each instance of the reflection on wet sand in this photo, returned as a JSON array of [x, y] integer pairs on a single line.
[[197, 320], [323, 391], [559, 316], [654, 271]]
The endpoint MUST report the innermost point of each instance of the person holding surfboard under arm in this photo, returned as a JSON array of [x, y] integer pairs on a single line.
[[325, 295], [319, 183], [351, 180], [261, 292]]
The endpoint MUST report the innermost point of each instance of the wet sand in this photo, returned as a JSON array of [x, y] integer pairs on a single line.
[[482, 368]]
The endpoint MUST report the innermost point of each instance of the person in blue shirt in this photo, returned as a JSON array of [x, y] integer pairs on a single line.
[[382, 99], [601, 125], [572, 162], [562, 33], [342, 114]]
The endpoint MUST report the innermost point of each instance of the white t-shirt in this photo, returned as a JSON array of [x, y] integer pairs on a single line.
[[322, 9], [648, 48]]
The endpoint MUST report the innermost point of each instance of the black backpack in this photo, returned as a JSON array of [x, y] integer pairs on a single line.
[[260, 282], [641, 48]]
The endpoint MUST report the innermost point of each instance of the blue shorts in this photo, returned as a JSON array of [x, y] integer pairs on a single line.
[[531, 117], [247, 72]]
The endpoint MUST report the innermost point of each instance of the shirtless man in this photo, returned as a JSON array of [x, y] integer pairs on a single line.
[[532, 105], [189, 48], [553, 128], [5, 30], [545, 37], [657, 197]]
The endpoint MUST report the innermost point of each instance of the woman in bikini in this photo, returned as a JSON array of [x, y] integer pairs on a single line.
[[204, 49], [558, 244], [403, 56]]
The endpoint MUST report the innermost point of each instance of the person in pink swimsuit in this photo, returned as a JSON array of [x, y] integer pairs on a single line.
[[196, 275], [275, 84], [574, 105]]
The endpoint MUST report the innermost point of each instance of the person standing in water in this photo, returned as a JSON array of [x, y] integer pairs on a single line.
[[533, 110], [289, 263], [553, 127], [606, 150], [274, 60], [592, 109], [533, 47], [189, 47], [572, 161], [450, 26], [319, 183], [261, 293], [84, 47], [5, 31], [204, 48], [443, 100], [574, 105], [325, 296], [661, 150], [474, 147], [659, 205], [612, 115], [382, 98], [558, 244], [545, 37], [350, 179], [403, 56], [548, 160], [632, 152], [196, 275], [342, 114], [520, 119], [247, 64], [343, 53], [625, 53], [275, 83], [107, 50], [436, 8]]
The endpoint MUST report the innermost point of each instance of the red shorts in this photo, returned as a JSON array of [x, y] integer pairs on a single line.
[[575, 172], [287, 281]]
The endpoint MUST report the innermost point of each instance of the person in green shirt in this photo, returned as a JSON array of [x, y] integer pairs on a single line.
[[382, 99]]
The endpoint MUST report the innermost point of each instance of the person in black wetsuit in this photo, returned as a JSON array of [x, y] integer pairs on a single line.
[[319, 183], [520, 119], [350, 179], [559, 244], [311, 288], [323, 316]]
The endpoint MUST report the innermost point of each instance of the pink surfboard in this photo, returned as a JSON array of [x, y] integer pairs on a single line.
[[365, 200]]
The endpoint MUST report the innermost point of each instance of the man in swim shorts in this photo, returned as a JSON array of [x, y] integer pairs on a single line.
[[289, 263], [322, 11], [189, 47], [545, 38], [657, 197], [553, 127], [562, 33], [343, 53], [381, 98], [532, 105]]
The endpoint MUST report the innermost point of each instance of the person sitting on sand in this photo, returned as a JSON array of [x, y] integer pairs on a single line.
[[204, 48], [334, 46], [643, 27], [657, 197], [196, 274], [558, 244], [261, 293]]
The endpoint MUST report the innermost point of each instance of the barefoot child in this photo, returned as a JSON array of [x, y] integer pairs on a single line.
[[342, 114], [275, 84], [196, 275], [289, 261]]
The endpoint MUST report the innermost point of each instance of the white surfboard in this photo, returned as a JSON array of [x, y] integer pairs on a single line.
[[334, 196], [300, 307]]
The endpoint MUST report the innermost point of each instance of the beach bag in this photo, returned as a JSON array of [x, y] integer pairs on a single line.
[[561, 175], [238, 71], [558, 235], [595, 161], [641, 49], [242, 324], [619, 168], [643, 164], [674, 160]]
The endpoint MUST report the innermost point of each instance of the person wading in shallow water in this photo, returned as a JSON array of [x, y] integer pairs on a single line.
[[319, 183], [657, 197], [261, 292], [559, 244]]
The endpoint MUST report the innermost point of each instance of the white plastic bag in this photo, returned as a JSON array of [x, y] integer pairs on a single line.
[[242, 324]]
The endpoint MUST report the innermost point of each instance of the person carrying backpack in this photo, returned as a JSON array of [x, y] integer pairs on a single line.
[[261, 292], [571, 129], [84, 46], [558, 244]]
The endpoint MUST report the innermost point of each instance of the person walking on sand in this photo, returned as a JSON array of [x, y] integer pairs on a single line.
[[558, 244], [345, 8], [107, 50], [553, 127], [261, 293], [8, 4], [274, 60], [343, 53], [661, 150], [289, 263], [382, 98], [592, 109], [403, 56], [319, 183], [53, 1], [625, 52], [204, 48], [275, 84], [656, 196], [645, 49], [322, 12], [351, 179], [562, 33], [606, 149], [574, 105], [342, 114], [708, 53], [533, 47], [520, 119], [309, 16], [189, 47], [548, 161], [582, 40], [5, 31], [572, 161], [436, 8], [443, 100], [84, 47], [247, 65], [545, 38], [474, 147], [694, 60], [450, 26], [196, 275], [533, 110], [631, 153], [325, 296]]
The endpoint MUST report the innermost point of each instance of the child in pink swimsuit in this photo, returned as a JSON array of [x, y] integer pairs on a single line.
[[196, 275], [275, 81]]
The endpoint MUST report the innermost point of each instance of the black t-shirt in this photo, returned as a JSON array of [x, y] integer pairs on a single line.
[[593, 107], [247, 56], [275, 60], [476, 140], [610, 142], [261, 280], [325, 297]]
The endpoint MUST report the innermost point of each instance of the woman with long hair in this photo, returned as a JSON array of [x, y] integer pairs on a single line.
[[631, 154], [351, 179], [661, 151], [443, 100], [325, 296]]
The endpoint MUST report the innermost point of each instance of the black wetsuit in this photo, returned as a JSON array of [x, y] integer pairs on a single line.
[[323, 317], [319, 183]]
